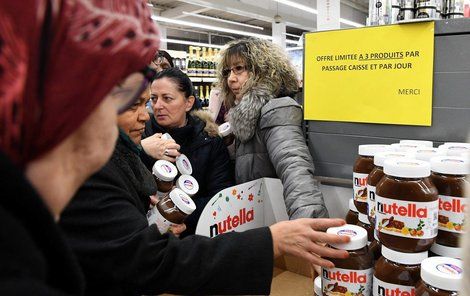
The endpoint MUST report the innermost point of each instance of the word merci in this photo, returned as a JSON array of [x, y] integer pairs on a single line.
[[230, 223]]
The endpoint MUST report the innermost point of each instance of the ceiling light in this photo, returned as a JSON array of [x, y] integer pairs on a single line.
[[222, 20], [294, 48], [176, 41], [288, 41], [292, 35]]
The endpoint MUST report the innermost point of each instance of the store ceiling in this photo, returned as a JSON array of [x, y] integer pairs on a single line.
[[258, 13]]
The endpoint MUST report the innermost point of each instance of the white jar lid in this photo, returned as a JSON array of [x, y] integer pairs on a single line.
[[182, 201], [166, 136], [352, 206], [188, 184], [407, 168], [357, 234], [455, 149], [443, 273], [164, 170], [417, 142], [452, 165], [426, 153], [380, 157], [317, 286], [446, 251], [402, 147], [372, 149], [184, 165], [364, 219], [225, 129], [404, 258]]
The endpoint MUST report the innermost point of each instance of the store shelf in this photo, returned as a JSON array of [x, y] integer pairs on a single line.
[[202, 79]]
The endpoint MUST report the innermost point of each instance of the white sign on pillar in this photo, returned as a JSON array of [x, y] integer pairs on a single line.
[[328, 15], [163, 44], [279, 33]]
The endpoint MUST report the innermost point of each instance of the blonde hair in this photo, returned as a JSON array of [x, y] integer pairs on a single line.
[[267, 64]]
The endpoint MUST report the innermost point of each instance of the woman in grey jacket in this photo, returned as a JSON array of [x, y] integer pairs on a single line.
[[257, 81]]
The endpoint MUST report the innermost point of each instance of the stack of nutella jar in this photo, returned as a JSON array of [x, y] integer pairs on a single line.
[[174, 198]]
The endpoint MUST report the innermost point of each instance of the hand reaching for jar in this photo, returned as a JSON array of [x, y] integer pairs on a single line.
[[176, 229], [303, 238], [159, 148]]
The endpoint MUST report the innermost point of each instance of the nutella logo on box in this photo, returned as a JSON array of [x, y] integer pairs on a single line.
[[455, 205], [411, 210], [360, 181], [349, 277], [230, 223], [386, 289]]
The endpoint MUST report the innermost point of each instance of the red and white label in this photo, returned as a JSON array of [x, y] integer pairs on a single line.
[[371, 201], [340, 281], [452, 213], [360, 187], [381, 288], [406, 218]]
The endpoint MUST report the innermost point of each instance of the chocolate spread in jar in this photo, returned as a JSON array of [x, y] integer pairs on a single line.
[[407, 206], [353, 274], [397, 273], [225, 130], [445, 251], [352, 216], [361, 169], [164, 173], [449, 175], [365, 223], [375, 248], [440, 276]]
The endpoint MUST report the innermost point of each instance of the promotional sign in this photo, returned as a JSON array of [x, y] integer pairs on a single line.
[[376, 75], [246, 206]]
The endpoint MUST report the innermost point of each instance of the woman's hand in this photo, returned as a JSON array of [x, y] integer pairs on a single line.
[[177, 229], [303, 238], [159, 148]]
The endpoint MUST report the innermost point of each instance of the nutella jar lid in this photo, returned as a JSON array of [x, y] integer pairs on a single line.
[[407, 168], [225, 129], [455, 149], [364, 218], [372, 149], [184, 165], [442, 272], [452, 165], [417, 142], [380, 157], [352, 206], [182, 201], [164, 170], [188, 184], [357, 234], [404, 258], [426, 153], [446, 251], [317, 285], [402, 147], [166, 136]]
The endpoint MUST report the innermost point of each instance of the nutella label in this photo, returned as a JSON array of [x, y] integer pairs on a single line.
[[406, 218], [385, 289], [338, 281], [360, 187], [371, 201], [154, 217], [452, 213]]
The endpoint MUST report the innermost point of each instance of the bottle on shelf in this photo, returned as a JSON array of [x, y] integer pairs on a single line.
[[211, 62], [190, 66], [201, 92], [197, 63], [205, 62], [208, 93]]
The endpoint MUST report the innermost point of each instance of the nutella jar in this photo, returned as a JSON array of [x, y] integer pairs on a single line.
[[352, 275], [455, 149], [173, 208], [449, 175], [317, 286], [225, 130], [376, 175], [188, 184], [397, 273], [444, 251], [425, 153], [406, 206], [361, 169], [352, 216], [428, 144], [365, 223], [440, 276], [164, 172], [184, 165], [405, 147], [375, 248], [166, 136]]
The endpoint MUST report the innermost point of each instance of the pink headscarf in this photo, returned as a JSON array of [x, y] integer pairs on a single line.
[[58, 60]]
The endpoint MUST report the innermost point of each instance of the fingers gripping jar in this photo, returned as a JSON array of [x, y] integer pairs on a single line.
[[440, 276]]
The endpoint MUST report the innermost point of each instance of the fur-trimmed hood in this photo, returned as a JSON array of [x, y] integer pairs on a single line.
[[211, 127]]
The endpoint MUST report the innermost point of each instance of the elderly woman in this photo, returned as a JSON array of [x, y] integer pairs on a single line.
[[257, 82]]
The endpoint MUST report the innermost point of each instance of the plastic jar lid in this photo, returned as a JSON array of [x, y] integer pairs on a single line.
[[357, 234], [164, 170], [454, 149], [380, 157], [407, 168], [166, 136], [426, 153], [225, 129], [188, 184], [317, 285], [352, 206], [452, 165], [404, 258], [182, 201], [372, 149], [364, 219], [184, 165], [418, 142], [446, 251], [442, 272], [402, 147]]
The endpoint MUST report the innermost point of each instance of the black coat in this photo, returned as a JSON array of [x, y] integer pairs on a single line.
[[34, 257], [121, 254], [208, 156]]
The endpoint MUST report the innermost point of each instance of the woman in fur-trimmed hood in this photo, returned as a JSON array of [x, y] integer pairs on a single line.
[[258, 81]]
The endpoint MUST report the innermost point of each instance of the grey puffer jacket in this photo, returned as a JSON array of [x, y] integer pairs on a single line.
[[270, 143]]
